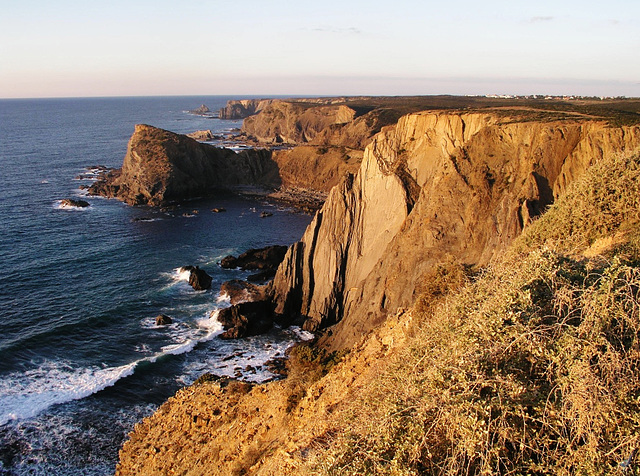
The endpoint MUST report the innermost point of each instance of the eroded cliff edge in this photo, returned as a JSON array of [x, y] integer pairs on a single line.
[[438, 184], [161, 166]]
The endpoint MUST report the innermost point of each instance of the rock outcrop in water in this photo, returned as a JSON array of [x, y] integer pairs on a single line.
[[246, 319], [161, 166], [436, 185], [199, 279], [203, 110], [73, 203]]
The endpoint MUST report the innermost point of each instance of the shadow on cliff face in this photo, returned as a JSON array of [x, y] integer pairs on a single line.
[[437, 184], [161, 167]]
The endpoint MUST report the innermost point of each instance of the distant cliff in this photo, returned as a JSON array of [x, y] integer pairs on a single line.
[[329, 137], [438, 184], [239, 109], [294, 122], [161, 166]]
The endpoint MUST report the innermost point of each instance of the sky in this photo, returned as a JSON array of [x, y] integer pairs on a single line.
[[69, 48]]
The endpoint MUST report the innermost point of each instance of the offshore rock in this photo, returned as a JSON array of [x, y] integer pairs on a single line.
[[70, 202], [163, 320], [241, 291], [246, 319], [266, 258], [201, 111], [438, 184], [161, 166], [198, 278]]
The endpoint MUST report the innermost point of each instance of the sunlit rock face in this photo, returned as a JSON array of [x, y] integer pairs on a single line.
[[435, 186], [161, 166]]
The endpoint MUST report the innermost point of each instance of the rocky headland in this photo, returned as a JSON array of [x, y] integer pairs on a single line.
[[161, 166], [437, 184], [461, 306]]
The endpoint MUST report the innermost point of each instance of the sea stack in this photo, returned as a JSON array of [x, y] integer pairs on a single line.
[[161, 167]]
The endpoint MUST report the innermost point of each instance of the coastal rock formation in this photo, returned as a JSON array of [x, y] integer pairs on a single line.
[[317, 168], [201, 136], [268, 257], [161, 166], [163, 320], [294, 122], [243, 108], [246, 319], [73, 203], [199, 279], [201, 111], [438, 184], [223, 428], [242, 291]]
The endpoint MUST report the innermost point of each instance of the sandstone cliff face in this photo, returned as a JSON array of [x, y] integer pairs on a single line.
[[243, 108], [294, 122], [161, 166], [436, 185], [316, 168]]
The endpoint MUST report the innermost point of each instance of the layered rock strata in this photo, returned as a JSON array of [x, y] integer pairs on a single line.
[[293, 122], [240, 109], [437, 185], [161, 166]]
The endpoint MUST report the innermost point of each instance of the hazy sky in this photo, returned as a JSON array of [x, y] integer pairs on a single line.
[[322, 47]]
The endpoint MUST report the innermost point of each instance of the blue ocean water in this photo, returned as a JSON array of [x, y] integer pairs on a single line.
[[81, 359]]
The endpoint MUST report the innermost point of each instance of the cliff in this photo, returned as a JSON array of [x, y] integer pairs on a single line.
[[161, 166], [329, 137], [294, 122], [530, 366], [436, 185], [240, 109]]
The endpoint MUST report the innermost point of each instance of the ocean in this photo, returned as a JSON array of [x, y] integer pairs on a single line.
[[81, 359]]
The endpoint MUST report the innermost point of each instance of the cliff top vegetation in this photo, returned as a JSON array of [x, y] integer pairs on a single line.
[[617, 111], [530, 368]]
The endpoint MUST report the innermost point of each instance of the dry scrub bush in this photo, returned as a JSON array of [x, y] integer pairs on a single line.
[[305, 366], [532, 369]]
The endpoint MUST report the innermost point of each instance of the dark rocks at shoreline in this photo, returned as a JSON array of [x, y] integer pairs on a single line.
[[163, 320], [262, 276], [241, 291], [246, 319], [70, 202], [198, 278], [268, 258], [266, 214]]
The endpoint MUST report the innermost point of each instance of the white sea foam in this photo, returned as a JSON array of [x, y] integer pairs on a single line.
[[182, 274], [223, 298], [301, 334], [26, 394], [180, 347]]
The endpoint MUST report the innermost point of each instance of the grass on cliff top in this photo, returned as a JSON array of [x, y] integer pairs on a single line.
[[533, 368], [617, 111]]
